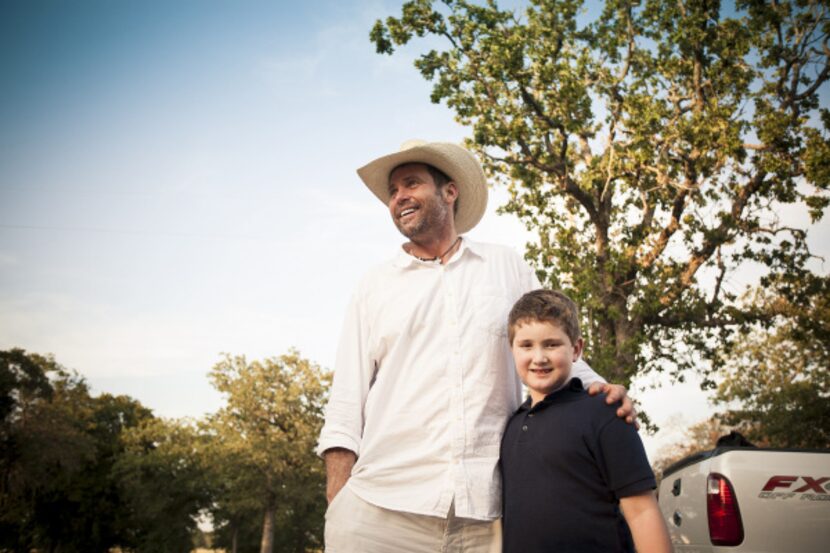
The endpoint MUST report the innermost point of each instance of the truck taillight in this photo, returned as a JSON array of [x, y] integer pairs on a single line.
[[725, 527]]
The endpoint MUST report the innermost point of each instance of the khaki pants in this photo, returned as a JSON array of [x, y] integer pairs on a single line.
[[355, 526]]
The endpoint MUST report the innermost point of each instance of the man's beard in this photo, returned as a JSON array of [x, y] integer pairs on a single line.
[[433, 216]]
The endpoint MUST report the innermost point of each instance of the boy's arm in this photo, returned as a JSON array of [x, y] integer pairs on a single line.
[[646, 523]]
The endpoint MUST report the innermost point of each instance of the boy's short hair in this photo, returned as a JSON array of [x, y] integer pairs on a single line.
[[550, 306]]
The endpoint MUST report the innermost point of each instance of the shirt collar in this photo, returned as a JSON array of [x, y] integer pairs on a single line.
[[404, 260], [569, 392]]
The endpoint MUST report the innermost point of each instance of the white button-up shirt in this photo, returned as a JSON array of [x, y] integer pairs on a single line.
[[424, 381]]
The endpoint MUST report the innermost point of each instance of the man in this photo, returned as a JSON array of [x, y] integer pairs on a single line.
[[424, 380]]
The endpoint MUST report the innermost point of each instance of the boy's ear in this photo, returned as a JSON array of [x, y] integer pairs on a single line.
[[579, 345]]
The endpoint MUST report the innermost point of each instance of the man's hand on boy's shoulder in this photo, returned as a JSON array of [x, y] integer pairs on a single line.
[[613, 394]]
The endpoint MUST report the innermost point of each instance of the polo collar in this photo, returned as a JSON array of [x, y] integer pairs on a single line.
[[571, 391]]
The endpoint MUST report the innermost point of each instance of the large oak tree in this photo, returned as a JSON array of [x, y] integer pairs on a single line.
[[652, 146]]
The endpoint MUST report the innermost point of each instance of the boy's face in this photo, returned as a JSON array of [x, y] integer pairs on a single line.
[[544, 355]]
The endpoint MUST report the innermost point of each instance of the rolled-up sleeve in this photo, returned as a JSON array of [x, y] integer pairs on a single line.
[[353, 371], [585, 373]]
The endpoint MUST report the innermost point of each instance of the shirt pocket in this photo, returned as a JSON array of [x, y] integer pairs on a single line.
[[489, 308]]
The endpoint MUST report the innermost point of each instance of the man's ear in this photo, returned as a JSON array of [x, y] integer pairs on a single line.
[[450, 191]]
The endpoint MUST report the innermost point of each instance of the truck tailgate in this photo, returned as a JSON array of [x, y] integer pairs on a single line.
[[783, 497]]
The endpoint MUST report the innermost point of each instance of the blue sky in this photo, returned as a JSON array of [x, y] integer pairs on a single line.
[[177, 180]]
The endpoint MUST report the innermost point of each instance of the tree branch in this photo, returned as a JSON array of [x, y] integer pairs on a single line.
[[668, 231], [716, 238]]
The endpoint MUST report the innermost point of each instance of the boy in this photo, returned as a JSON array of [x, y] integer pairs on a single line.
[[567, 461]]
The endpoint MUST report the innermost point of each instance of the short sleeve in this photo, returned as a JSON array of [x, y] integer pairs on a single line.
[[622, 458]]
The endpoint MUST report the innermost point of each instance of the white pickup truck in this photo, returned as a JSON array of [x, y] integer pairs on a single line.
[[747, 499]]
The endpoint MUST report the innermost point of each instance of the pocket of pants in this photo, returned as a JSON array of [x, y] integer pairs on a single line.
[[335, 502]]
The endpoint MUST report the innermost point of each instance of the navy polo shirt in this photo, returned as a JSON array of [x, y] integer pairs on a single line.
[[565, 464]]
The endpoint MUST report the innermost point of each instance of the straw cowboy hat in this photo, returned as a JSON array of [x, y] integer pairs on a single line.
[[456, 162]]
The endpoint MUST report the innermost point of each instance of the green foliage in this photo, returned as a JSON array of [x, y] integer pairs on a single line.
[[86, 474], [24, 386], [58, 490], [263, 444], [23, 379], [650, 145], [238, 506], [776, 383], [163, 481]]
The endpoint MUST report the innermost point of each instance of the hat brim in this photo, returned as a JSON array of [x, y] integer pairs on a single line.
[[456, 162]]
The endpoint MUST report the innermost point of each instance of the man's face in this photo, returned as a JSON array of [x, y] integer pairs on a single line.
[[417, 206]]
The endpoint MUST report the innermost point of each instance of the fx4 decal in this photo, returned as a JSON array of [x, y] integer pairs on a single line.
[[806, 488]]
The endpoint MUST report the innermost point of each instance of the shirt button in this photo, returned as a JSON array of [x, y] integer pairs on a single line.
[[524, 428]]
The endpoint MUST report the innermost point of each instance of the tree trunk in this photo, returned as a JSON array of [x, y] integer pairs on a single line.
[[267, 545], [235, 539]]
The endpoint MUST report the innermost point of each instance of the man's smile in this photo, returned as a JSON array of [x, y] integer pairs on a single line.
[[407, 211]]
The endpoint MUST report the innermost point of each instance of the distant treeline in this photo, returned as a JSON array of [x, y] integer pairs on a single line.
[[84, 474]]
